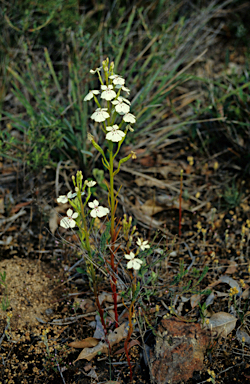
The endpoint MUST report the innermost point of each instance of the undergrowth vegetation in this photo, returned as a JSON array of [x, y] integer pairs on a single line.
[[45, 63]]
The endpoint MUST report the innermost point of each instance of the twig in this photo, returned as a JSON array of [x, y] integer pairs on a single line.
[[190, 254], [73, 319], [7, 326]]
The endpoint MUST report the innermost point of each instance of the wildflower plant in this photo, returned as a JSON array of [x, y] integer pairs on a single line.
[[114, 119]]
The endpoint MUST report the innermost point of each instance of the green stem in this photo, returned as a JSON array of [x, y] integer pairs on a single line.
[[112, 229]]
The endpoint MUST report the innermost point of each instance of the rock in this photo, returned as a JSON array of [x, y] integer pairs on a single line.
[[179, 351], [49, 311]]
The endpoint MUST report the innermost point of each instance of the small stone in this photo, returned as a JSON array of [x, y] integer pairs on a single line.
[[49, 311], [179, 351]]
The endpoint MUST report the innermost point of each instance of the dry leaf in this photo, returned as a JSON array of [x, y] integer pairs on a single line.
[[142, 182], [2, 208], [105, 296], [232, 267], [245, 293], [53, 218], [240, 333], [130, 345], [85, 343], [112, 382], [115, 337], [86, 305], [233, 283], [221, 323], [150, 208], [195, 300], [210, 299]]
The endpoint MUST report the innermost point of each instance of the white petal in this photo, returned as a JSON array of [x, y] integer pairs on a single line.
[[136, 265], [129, 118], [66, 222], [122, 108], [71, 195], [102, 211], [62, 199], [93, 213], [131, 256], [91, 183], [69, 212], [108, 95], [130, 264]]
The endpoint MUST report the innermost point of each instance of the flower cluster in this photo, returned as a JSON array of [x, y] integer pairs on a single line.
[[96, 210], [119, 105], [134, 262]]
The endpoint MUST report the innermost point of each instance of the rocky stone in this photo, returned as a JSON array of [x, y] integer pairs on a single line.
[[179, 351]]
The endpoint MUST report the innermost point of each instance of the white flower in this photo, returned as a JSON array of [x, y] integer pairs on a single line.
[[71, 195], [69, 222], [95, 70], [114, 134], [125, 89], [143, 244], [108, 93], [62, 199], [121, 105], [117, 80], [100, 114], [129, 118], [97, 211], [90, 183], [133, 263], [90, 95]]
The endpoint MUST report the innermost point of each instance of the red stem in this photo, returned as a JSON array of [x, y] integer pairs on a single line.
[[101, 312], [113, 285], [131, 310]]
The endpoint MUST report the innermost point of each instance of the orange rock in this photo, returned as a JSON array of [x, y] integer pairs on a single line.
[[179, 351]]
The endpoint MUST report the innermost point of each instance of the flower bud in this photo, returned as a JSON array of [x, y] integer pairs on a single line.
[[90, 137]]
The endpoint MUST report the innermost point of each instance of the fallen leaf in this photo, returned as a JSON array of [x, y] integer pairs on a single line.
[[232, 267], [112, 382], [19, 206], [130, 345], [233, 283], [245, 293], [86, 305], [150, 208], [240, 333], [210, 299], [2, 208], [105, 296], [195, 300], [53, 221], [91, 373], [221, 323], [115, 337], [99, 331], [85, 343]]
